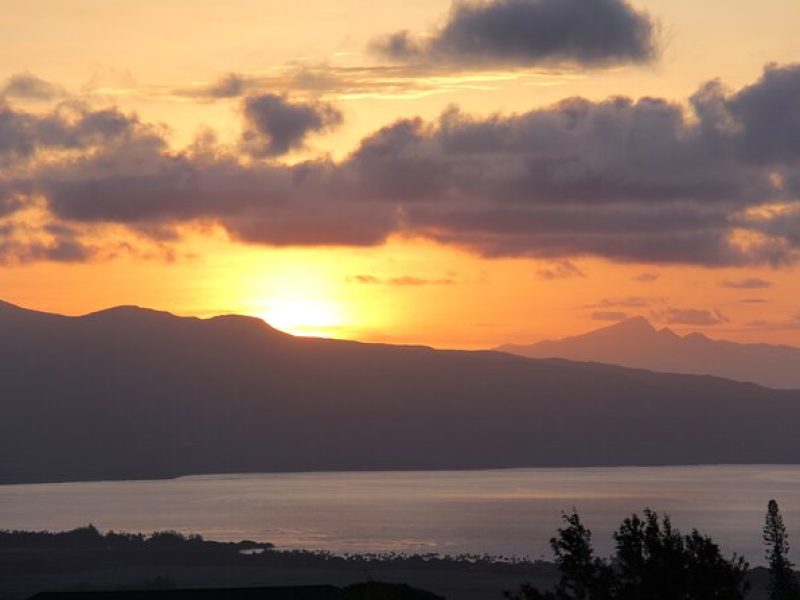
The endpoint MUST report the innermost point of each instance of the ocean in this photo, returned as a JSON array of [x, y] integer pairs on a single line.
[[509, 512]]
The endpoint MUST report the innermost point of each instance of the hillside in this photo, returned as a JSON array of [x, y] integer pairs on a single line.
[[134, 393]]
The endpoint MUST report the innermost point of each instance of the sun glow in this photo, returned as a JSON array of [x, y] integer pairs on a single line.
[[303, 316]]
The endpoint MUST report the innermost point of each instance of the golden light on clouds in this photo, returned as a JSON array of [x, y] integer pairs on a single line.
[[407, 290]]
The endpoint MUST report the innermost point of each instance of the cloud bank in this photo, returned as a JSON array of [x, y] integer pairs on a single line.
[[628, 180]]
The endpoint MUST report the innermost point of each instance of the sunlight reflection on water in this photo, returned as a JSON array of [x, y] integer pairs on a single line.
[[509, 512]]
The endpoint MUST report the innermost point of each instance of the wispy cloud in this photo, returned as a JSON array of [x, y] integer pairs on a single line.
[[750, 283], [560, 270], [625, 302], [402, 281], [689, 316], [647, 277]]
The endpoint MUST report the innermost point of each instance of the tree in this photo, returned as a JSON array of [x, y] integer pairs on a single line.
[[709, 574], [583, 577], [783, 583], [653, 561], [650, 559]]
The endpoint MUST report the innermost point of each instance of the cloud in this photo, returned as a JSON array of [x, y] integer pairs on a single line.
[[369, 279], [642, 181], [561, 270], [769, 115], [13, 196], [403, 281], [348, 82], [689, 316], [229, 86], [64, 251], [525, 33], [750, 283], [780, 324], [26, 86], [626, 302], [58, 244], [646, 277], [70, 126], [608, 315], [275, 125]]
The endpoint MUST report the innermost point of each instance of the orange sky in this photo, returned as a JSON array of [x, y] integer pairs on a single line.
[[154, 59]]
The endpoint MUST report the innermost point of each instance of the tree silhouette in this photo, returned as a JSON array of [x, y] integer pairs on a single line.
[[583, 577], [653, 561], [650, 558], [783, 583]]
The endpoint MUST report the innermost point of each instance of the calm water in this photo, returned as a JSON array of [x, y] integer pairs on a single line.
[[500, 511]]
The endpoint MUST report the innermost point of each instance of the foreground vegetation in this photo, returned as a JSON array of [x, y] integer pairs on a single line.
[[654, 561]]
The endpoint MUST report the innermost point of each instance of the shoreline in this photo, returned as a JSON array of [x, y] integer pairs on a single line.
[[245, 474]]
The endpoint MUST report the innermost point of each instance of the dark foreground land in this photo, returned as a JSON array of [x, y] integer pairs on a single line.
[[85, 560]]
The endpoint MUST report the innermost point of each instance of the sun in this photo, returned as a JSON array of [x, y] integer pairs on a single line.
[[305, 316]]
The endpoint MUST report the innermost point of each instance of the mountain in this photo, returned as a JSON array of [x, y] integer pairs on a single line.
[[135, 393], [636, 343]]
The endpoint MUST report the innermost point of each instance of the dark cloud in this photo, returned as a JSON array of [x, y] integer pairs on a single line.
[[68, 127], [150, 189], [13, 196], [754, 301], [608, 315], [274, 125], [403, 281], [689, 316], [530, 33], [561, 270], [646, 277], [769, 113], [636, 181], [29, 87], [749, 283]]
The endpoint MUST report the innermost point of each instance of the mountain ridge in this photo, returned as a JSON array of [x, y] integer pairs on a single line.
[[635, 343], [120, 398]]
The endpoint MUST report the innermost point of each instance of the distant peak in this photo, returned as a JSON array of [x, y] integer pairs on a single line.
[[696, 335], [667, 332], [634, 324]]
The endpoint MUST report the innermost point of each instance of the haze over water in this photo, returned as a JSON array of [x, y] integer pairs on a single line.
[[508, 512]]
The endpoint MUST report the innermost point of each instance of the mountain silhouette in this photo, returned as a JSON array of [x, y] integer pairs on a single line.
[[636, 343], [135, 393]]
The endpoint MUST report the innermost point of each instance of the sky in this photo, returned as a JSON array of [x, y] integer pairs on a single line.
[[452, 174]]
